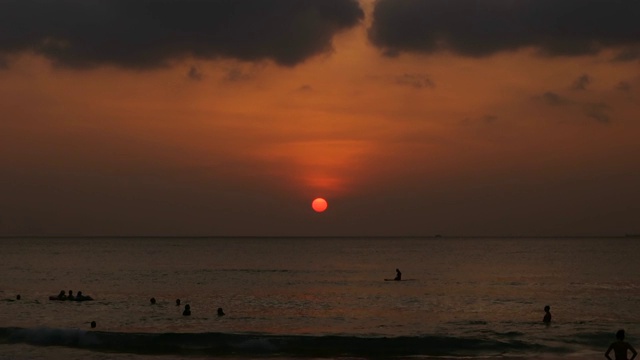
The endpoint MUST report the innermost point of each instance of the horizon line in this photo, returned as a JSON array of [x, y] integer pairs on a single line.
[[436, 236]]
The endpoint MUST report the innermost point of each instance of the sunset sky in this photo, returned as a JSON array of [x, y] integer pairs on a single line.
[[228, 117]]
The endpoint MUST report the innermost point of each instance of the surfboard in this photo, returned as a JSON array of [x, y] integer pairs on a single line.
[[399, 280]]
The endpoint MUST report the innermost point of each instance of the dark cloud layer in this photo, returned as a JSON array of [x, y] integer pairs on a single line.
[[151, 33], [484, 27]]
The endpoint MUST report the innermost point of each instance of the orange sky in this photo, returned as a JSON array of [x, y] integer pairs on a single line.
[[415, 144]]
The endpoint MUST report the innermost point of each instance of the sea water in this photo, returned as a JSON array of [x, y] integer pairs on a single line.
[[287, 298]]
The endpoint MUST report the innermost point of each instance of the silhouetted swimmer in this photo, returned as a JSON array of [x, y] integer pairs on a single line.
[[81, 297], [547, 316], [62, 295], [620, 348], [398, 275], [177, 302], [93, 324], [152, 301], [18, 297], [70, 296], [220, 312], [187, 310]]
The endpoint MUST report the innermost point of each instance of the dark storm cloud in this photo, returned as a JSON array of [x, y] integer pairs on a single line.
[[151, 33], [484, 27]]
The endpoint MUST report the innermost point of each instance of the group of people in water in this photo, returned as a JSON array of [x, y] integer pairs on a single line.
[[187, 308], [77, 297], [620, 347]]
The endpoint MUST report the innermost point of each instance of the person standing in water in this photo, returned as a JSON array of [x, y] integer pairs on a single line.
[[620, 348], [547, 315]]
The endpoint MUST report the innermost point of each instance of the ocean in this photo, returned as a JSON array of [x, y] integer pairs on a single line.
[[318, 298]]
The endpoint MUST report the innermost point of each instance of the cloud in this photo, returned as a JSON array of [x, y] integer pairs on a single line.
[[628, 54], [598, 111], [553, 99], [195, 74], [143, 34], [486, 119], [417, 81], [624, 86], [480, 28], [237, 74], [581, 83]]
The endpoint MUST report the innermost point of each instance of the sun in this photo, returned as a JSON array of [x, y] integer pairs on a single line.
[[319, 204]]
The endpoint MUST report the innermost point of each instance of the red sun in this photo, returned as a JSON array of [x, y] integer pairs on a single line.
[[319, 204]]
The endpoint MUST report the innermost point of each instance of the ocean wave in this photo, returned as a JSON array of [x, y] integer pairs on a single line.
[[226, 344]]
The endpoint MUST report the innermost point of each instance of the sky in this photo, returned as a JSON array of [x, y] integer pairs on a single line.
[[410, 117]]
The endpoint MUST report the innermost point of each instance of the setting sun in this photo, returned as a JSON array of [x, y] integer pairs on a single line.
[[319, 204]]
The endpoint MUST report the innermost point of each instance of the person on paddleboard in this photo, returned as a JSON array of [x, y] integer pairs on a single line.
[[398, 275]]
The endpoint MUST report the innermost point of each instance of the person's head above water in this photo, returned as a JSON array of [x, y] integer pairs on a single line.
[[220, 312], [620, 335], [177, 302], [152, 300], [93, 324], [547, 308]]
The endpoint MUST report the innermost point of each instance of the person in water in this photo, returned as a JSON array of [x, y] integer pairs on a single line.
[[70, 296], [620, 348], [152, 301], [398, 275], [547, 315], [177, 302], [62, 295], [187, 310], [93, 324], [81, 297], [220, 312]]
